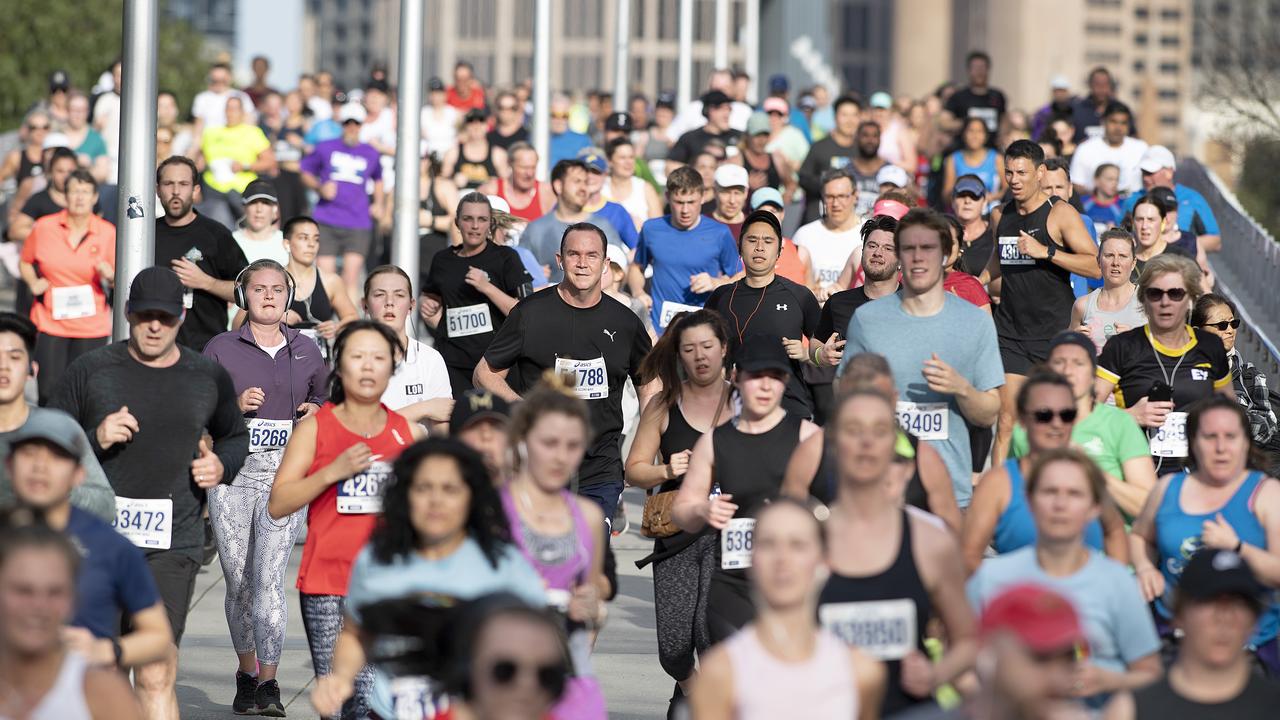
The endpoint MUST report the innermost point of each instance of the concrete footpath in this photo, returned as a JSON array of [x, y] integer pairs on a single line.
[[626, 654]]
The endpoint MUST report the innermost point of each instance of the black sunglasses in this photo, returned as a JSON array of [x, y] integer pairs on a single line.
[[1233, 323], [1044, 417], [1153, 295], [551, 678]]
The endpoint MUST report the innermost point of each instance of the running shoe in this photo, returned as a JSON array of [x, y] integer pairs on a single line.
[[268, 699], [246, 688], [620, 524]]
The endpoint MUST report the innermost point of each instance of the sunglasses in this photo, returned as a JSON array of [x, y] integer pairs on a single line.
[[551, 677], [559, 116], [507, 108], [776, 113], [1045, 416], [37, 127], [1233, 323], [1153, 295]]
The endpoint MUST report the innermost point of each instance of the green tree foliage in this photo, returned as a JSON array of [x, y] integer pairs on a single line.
[[83, 37], [1257, 188]]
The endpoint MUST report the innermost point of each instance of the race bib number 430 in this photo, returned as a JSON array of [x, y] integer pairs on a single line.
[[589, 377], [927, 421], [147, 523], [735, 544], [1010, 254], [361, 494], [469, 320], [885, 629]]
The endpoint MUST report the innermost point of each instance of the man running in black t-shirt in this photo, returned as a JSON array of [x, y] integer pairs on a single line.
[[978, 100], [1040, 241], [572, 327], [202, 252], [762, 303]]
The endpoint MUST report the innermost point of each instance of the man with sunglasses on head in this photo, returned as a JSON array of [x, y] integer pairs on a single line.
[[943, 351], [339, 171], [833, 240], [509, 127]]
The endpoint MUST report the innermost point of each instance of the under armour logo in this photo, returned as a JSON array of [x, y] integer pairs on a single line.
[[610, 334], [780, 307]]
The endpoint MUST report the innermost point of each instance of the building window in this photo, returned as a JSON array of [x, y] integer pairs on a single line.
[[1171, 14], [1141, 12], [855, 27], [1170, 120], [1140, 39], [1096, 57], [1170, 68], [1170, 41], [1139, 66], [1105, 3], [1102, 29], [1168, 94]]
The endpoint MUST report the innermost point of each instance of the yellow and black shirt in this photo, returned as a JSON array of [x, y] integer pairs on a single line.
[[1134, 361]]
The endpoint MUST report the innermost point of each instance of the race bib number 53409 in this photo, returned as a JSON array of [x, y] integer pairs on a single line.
[[927, 421]]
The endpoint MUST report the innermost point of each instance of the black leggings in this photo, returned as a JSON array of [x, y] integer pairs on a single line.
[[729, 606], [681, 585], [322, 620]]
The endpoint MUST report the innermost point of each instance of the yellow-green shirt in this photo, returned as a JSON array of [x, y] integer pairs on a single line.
[[225, 145]]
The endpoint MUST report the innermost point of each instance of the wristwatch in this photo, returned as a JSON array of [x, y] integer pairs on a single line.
[[117, 650], [1053, 250]]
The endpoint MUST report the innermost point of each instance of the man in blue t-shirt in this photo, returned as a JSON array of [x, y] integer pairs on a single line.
[[44, 464], [1194, 214], [542, 236], [690, 254], [617, 215]]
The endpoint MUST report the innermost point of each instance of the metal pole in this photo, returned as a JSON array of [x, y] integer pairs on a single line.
[[542, 84], [684, 64], [751, 64], [722, 34], [404, 246], [622, 57], [136, 235]]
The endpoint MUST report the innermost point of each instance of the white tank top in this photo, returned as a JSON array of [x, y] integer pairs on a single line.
[[65, 699], [829, 251], [766, 688], [636, 204], [1102, 323]]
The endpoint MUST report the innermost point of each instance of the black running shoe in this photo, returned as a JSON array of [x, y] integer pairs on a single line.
[[210, 545], [246, 688], [268, 699]]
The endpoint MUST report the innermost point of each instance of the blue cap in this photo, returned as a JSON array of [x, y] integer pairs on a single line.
[[970, 185], [779, 83], [594, 158], [765, 196]]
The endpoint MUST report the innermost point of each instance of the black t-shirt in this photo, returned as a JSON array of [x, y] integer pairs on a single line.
[[1169, 249], [174, 406], [466, 309], [1130, 360], [693, 142], [209, 245], [782, 309], [497, 139], [974, 258], [1159, 701], [544, 331], [989, 105], [838, 310]]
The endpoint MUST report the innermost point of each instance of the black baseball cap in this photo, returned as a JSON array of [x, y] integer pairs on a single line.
[[1079, 339], [59, 80], [476, 115], [1164, 197], [619, 122], [714, 98], [1212, 573], [261, 190], [435, 84], [476, 405], [379, 85], [156, 288], [666, 100], [762, 352]]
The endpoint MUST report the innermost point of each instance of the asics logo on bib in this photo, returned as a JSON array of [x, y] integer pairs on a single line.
[[610, 334], [780, 307]]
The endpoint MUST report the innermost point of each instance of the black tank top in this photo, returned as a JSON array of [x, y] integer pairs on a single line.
[[27, 167], [678, 437], [477, 172], [761, 172], [883, 615], [316, 308], [1158, 701], [751, 467], [1035, 295], [823, 486]]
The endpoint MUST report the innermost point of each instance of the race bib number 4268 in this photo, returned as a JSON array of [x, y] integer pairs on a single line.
[[361, 494]]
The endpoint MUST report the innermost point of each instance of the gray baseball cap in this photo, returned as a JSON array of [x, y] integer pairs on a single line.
[[54, 427]]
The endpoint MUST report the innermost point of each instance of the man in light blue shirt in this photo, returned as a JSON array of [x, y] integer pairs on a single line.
[[942, 349], [1194, 214]]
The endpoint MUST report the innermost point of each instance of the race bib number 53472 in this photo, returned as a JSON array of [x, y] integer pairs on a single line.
[[147, 523]]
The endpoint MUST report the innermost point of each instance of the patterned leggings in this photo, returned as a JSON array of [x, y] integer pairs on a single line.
[[322, 619], [680, 585], [254, 551]]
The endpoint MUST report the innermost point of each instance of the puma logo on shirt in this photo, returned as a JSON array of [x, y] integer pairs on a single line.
[[610, 334]]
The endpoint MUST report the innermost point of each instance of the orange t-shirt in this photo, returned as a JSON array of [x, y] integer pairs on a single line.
[[789, 265], [72, 274]]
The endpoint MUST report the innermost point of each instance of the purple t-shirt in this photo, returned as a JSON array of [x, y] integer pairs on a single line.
[[352, 167]]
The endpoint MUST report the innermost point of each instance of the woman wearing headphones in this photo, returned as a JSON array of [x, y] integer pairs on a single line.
[[279, 376], [337, 464]]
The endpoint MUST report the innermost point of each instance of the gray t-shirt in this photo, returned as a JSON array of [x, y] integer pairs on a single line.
[[963, 336], [542, 237], [94, 494]]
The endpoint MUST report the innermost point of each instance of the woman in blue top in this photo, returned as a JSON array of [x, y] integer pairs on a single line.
[[975, 157], [1221, 504], [999, 515], [442, 538], [1066, 491]]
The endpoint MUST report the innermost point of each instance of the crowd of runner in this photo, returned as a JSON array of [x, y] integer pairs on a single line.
[[975, 441]]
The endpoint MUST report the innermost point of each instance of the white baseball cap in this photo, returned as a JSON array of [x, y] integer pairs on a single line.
[[1060, 82], [729, 175], [498, 204], [1157, 158], [351, 111], [617, 256], [893, 175]]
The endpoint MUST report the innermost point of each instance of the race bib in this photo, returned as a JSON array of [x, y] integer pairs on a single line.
[[1010, 254], [72, 302], [268, 434], [591, 382], [188, 298], [927, 421], [671, 309], [987, 115], [828, 276], [884, 629], [735, 544], [469, 320], [361, 494], [145, 523], [1170, 439]]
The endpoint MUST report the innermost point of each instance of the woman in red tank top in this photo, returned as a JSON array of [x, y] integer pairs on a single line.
[[336, 464]]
